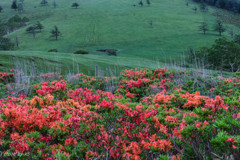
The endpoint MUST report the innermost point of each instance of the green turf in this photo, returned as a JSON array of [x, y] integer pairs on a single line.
[[70, 63], [116, 24]]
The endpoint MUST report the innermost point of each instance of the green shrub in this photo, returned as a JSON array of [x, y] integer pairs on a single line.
[[237, 73], [80, 51], [52, 50]]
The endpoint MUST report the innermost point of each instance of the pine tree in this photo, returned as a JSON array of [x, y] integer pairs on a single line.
[[39, 26], [75, 5], [31, 30], [195, 9], [148, 2], [54, 4], [14, 5], [1, 9], [44, 2], [203, 27], [219, 27], [55, 32]]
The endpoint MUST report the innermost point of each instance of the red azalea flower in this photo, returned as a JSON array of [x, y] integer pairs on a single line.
[[198, 124], [234, 147]]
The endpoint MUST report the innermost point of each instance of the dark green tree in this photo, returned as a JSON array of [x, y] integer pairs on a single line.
[[32, 30], [44, 2], [219, 27], [20, 7], [148, 2], [223, 55], [54, 4], [195, 9], [14, 5], [55, 33], [75, 5], [1, 9], [203, 27], [203, 7], [39, 26]]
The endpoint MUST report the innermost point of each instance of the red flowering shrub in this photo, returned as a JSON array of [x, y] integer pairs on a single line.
[[6, 77], [150, 116]]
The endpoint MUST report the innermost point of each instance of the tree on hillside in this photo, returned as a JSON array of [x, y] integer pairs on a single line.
[[203, 7], [75, 5], [219, 27], [14, 5], [31, 30], [54, 4], [55, 32], [140, 3], [203, 27], [44, 2], [148, 2], [195, 9], [223, 55], [39, 26], [1, 9], [151, 23], [20, 7]]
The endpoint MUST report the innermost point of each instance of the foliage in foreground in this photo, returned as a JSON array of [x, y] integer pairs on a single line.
[[151, 115]]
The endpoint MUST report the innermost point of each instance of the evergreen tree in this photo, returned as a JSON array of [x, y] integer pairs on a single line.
[[75, 5], [203, 27], [44, 2], [219, 27], [55, 32], [31, 30], [54, 4], [1, 9], [14, 5], [148, 2], [39, 26], [20, 7], [195, 9]]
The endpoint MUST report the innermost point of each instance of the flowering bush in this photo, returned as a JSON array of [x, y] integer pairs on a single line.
[[149, 116]]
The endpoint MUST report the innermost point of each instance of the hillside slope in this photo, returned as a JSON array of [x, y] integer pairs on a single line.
[[114, 24]]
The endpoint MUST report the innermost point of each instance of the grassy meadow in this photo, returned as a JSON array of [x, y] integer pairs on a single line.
[[111, 24]]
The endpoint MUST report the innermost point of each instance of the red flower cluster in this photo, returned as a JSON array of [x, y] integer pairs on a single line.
[[65, 120]]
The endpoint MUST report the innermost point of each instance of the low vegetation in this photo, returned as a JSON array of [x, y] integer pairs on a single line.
[[224, 55], [151, 114], [80, 51]]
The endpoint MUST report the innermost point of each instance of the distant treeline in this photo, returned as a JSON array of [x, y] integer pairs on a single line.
[[231, 5]]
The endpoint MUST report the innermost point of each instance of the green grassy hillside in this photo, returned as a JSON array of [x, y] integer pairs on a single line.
[[46, 62], [113, 24]]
